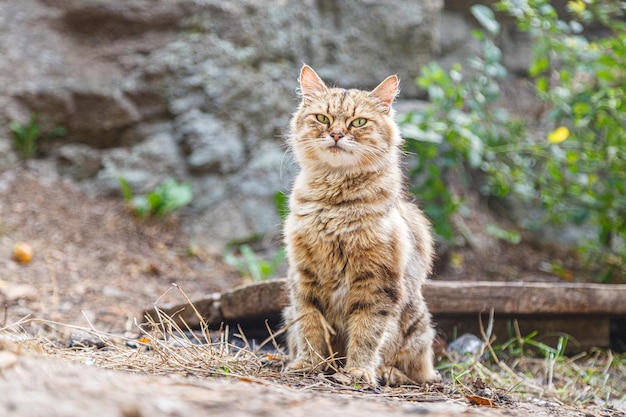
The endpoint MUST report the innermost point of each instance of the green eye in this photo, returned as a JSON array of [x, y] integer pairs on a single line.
[[322, 118], [358, 122]]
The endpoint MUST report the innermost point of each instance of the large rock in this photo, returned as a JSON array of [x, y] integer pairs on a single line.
[[210, 146], [360, 43], [197, 90]]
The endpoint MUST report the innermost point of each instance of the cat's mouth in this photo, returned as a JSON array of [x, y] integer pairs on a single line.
[[336, 148]]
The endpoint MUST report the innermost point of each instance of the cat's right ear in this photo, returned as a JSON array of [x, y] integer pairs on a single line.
[[311, 84], [387, 91]]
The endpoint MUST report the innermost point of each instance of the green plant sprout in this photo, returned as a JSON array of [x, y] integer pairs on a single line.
[[251, 265], [167, 197], [26, 137], [528, 366]]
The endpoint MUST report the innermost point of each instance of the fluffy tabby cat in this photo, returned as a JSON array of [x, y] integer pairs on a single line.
[[358, 251]]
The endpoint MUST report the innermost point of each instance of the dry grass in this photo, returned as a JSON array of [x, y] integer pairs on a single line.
[[164, 348], [529, 369]]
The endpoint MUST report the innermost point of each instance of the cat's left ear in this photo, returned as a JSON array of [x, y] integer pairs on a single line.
[[387, 91]]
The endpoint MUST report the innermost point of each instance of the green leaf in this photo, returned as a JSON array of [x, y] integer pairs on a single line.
[[581, 109], [127, 191], [605, 75], [542, 84], [17, 128], [510, 236], [178, 195], [607, 61], [485, 16], [539, 65], [253, 263], [141, 206], [278, 259], [572, 156], [154, 202]]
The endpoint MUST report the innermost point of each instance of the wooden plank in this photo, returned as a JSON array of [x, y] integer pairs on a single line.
[[459, 297], [563, 301], [525, 298], [258, 299], [584, 312]]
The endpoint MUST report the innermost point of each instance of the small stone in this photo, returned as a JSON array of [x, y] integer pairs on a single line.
[[15, 292], [466, 344]]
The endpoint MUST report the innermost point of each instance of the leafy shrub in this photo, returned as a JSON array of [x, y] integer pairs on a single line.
[[582, 80], [460, 131], [167, 197], [577, 173]]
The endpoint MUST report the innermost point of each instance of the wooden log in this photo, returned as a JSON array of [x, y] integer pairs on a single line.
[[585, 312], [443, 297], [451, 297], [254, 300], [525, 298]]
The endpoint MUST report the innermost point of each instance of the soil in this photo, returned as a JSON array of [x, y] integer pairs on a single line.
[[34, 386], [96, 265], [94, 262]]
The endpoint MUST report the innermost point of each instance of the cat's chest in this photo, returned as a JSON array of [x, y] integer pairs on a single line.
[[325, 229], [335, 239]]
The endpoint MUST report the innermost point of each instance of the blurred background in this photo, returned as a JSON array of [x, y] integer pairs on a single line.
[[513, 114]]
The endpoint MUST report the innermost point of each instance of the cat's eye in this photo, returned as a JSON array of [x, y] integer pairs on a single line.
[[322, 118], [358, 122]]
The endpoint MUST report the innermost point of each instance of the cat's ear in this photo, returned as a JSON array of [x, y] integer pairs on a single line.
[[387, 91], [310, 83]]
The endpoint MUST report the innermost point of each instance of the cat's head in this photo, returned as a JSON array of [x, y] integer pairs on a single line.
[[350, 130]]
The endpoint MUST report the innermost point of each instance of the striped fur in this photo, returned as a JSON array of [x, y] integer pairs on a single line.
[[358, 251]]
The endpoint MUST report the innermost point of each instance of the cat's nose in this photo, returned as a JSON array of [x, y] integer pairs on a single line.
[[336, 135]]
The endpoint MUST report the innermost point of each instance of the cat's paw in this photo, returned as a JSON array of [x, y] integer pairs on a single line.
[[428, 376], [300, 365], [362, 375], [432, 377], [392, 376]]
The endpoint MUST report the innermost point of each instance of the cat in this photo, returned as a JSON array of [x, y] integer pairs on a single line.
[[358, 251]]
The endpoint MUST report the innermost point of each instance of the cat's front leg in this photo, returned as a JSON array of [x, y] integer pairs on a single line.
[[368, 325], [310, 346], [308, 335], [363, 355], [416, 357]]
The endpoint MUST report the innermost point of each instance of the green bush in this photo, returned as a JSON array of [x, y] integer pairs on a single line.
[[461, 130], [582, 80], [577, 172]]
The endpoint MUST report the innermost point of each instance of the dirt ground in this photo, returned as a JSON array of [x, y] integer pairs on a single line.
[[93, 261], [34, 386], [97, 266]]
